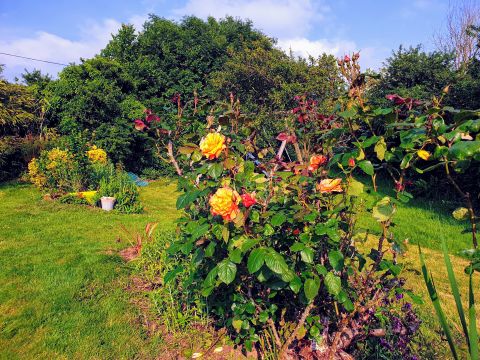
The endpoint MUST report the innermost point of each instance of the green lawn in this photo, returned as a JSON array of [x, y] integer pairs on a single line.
[[61, 292], [62, 286]]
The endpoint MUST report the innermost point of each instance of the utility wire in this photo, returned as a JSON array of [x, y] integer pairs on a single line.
[[29, 58]]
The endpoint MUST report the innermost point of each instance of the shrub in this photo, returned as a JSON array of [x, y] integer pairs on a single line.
[[117, 183], [56, 170], [272, 244]]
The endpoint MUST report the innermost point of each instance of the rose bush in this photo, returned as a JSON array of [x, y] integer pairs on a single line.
[[272, 244]]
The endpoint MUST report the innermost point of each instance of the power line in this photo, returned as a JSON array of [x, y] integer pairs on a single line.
[[29, 58]]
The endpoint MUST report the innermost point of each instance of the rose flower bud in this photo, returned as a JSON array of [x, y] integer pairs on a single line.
[[248, 199]]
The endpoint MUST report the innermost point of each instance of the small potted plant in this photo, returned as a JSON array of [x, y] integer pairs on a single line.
[[107, 192], [107, 202]]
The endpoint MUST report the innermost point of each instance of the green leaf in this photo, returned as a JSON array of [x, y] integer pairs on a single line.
[[278, 219], [432, 292], [383, 210], [172, 274], [256, 260], [311, 288], [454, 287], [298, 246], [464, 150], [211, 278], [295, 284], [276, 262], [263, 317], [350, 113], [215, 170], [333, 283], [268, 230], [406, 161], [186, 199], [472, 318], [366, 166], [355, 188], [237, 325], [336, 259], [322, 270], [236, 256], [225, 233], [200, 231], [227, 271], [210, 249], [255, 216], [381, 149], [307, 255]]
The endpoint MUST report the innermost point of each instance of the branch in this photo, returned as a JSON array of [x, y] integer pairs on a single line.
[[292, 336], [172, 158]]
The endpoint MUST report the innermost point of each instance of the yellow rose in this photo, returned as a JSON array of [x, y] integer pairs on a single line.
[[330, 185], [423, 154], [225, 203], [212, 145]]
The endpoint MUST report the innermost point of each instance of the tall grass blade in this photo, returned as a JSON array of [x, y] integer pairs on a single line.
[[455, 291], [432, 292], [472, 318]]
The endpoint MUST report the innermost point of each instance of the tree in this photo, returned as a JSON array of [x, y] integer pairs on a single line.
[[97, 98], [36, 78], [266, 78], [458, 36], [412, 72]]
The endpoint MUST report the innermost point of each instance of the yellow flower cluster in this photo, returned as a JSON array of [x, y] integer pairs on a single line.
[[225, 203], [36, 177], [97, 155], [57, 157], [212, 145]]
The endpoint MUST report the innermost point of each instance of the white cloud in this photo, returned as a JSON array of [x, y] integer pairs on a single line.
[[305, 47], [370, 57], [279, 18], [47, 46]]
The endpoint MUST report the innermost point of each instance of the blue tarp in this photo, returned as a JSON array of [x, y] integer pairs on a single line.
[[136, 179]]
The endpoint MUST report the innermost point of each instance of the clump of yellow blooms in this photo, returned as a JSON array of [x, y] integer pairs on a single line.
[[57, 157], [97, 155], [36, 177], [212, 145]]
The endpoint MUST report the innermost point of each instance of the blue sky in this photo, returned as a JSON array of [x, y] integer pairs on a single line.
[[64, 31]]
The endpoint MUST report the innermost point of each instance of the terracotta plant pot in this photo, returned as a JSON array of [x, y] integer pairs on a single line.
[[107, 202]]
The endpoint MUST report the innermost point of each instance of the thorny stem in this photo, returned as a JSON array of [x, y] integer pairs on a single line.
[[172, 158]]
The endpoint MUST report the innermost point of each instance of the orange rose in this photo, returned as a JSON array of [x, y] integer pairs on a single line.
[[316, 161], [330, 185], [212, 145], [225, 203]]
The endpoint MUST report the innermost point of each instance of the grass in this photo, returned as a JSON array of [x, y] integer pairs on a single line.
[[62, 292]]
